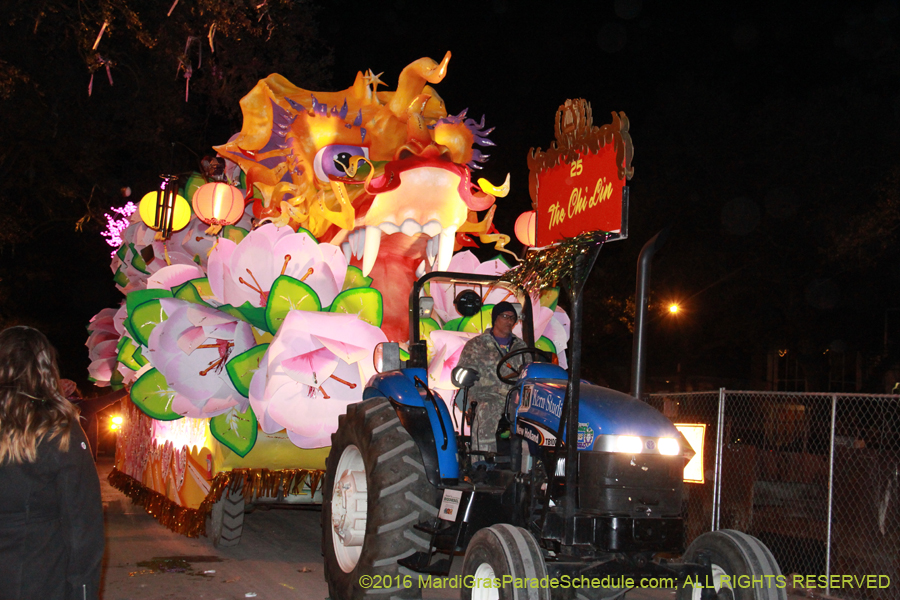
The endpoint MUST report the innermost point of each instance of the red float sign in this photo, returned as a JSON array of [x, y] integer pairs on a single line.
[[585, 194]]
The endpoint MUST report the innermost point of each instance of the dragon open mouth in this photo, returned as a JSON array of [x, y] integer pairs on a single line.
[[416, 196]]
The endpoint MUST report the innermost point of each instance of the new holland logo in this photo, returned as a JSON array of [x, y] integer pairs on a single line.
[[585, 436], [533, 433]]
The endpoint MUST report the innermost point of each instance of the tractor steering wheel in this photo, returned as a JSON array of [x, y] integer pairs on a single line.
[[511, 378]]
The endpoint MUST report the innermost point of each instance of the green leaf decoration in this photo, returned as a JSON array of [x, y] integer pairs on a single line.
[[254, 315], [235, 234], [546, 345], [478, 322], [143, 319], [115, 380], [288, 294], [236, 430], [140, 296], [355, 279], [151, 393], [502, 259], [366, 303], [550, 298], [242, 367], [453, 324], [307, 232], [127, 349], [139, 356], [122, 252], [120, 278], [193, 183], [426, 326], [194, 291], [137, 261]]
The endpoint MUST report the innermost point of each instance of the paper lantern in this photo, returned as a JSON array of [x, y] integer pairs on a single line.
[[525, 225], [218, 204], [165, 210]]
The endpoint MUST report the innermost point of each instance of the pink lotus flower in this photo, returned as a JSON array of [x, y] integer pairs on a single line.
[[101, 344], [174, 275], [315, 366], [448, 346], [244, 272], [190, 348]]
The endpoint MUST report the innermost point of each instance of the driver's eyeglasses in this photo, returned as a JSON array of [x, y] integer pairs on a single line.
[[509, 317]]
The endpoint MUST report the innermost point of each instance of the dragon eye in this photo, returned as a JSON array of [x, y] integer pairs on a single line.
[[331, 161]]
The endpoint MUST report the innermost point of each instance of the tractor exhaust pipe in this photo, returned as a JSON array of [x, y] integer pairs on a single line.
[[639, 354]]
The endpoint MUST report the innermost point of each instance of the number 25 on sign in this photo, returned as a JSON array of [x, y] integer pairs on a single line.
[[576, 169]]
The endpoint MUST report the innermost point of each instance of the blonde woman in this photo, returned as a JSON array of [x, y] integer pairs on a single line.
[[51, 517]]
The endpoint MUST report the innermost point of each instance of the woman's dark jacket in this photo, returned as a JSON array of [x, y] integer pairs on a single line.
[[51, 524]]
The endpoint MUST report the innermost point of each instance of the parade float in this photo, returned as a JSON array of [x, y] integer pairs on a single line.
[[257, 291]]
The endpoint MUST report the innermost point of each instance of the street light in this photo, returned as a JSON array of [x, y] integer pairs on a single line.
[[674, 308]]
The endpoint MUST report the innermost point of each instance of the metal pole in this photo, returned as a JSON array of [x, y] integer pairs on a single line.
[[717, 477], [584, 263], [638, 354], [568, 425], [830, 498], [571, 431]]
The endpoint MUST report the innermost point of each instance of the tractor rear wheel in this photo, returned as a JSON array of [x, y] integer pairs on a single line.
[[375, 491], [742, 568]]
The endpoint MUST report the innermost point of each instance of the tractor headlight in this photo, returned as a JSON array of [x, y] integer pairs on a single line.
[[629, 444], [669, 446], [115, 423]]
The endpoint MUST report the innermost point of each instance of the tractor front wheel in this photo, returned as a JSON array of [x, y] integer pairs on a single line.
[[742, 568], [504, 563]]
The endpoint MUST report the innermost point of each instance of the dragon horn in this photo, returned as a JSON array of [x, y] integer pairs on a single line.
[[412, 81]]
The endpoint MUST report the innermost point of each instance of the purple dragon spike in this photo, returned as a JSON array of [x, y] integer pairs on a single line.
[[477, 157], [343, 112], [319, 108], [358, 120], [282, 120], [296, 105], [480, 132]]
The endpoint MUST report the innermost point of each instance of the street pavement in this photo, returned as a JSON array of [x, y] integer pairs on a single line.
[[279, 557]]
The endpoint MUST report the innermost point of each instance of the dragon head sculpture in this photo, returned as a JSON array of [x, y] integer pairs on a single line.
[[384, 175]]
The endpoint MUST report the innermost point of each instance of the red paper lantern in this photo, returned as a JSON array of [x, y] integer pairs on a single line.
[[218, 204], [525, 226]]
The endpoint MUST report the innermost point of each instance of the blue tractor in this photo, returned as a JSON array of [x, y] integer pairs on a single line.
[[404, 494]]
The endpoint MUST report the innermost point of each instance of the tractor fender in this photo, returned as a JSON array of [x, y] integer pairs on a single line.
[[401, 389]]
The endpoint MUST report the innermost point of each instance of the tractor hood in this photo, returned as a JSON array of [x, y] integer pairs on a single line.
[[603, 415]]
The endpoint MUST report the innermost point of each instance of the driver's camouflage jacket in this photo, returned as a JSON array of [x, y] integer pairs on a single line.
[[482, 353]]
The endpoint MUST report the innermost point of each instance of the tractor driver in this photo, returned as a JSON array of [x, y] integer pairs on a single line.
[[482, 354]]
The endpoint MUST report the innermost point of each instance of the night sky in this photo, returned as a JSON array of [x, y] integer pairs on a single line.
[[766, 134]]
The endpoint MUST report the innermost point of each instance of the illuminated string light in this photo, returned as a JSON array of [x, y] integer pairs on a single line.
[[115, 225]]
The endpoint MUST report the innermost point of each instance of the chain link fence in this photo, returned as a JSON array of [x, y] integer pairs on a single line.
[[816, 477]]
